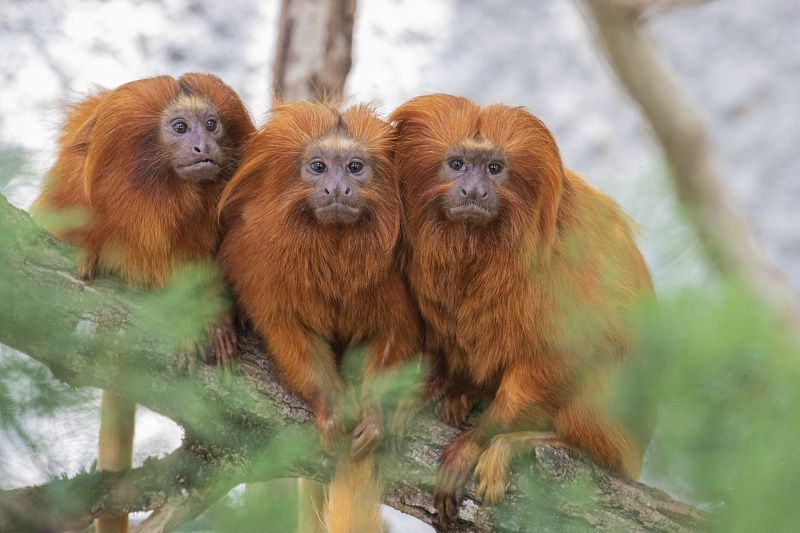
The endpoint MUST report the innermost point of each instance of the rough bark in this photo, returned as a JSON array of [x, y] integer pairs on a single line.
[[314, 51], [728, 242], [235, 425]]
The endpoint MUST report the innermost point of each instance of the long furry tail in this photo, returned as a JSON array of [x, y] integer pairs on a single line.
[[353, 498], [115, 451]]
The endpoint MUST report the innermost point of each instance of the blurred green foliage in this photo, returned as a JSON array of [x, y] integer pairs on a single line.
[[726, 374]]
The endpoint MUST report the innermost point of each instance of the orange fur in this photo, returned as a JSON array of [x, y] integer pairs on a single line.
[[531, 310], [312, 289], [142, 221], [352, 498]]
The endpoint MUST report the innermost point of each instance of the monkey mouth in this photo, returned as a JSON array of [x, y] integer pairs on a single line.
[[337, 212], [470, 213], [204, 169], [200, 164]]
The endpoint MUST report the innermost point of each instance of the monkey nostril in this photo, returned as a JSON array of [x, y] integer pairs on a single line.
[[485, 194], [463, 192], [347, 191], [327, 191], [197, 149]]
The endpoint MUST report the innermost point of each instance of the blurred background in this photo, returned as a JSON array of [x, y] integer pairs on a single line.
[[739, 61]]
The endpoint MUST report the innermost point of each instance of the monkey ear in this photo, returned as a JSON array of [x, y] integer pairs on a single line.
[[539, 140], [80, 141], [400, 117]]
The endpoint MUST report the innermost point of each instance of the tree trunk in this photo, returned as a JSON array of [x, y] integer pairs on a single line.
[[314, 51]]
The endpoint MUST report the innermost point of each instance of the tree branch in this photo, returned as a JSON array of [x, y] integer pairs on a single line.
[[686, 142], [314, 51], [69, 504], [238, 428]]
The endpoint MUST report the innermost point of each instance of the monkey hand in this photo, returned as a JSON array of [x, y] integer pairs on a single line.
[[368, 433], [409, 406], [492, 470], [87, 268], [331, 431], [223, 343], [457, 463], [405, 412], [494, 463], [455, 408], [188, 357]]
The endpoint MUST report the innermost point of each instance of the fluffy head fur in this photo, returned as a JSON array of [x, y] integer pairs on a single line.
[[277, 254], [143, 220], [432, 125]]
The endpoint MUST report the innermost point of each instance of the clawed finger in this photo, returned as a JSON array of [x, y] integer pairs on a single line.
[[446, 506]]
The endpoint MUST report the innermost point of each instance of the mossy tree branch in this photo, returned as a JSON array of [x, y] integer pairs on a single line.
[[237, 427]]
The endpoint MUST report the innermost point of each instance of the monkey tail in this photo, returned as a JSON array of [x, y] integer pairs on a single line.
[[353, 498], [117, 418]]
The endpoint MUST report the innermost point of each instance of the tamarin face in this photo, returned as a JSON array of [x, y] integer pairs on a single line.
[[337, 168], [474, 169], [191, 136], [493, 169]]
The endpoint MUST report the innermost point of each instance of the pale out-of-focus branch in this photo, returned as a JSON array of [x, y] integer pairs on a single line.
[[728, 242], [314, 51], [647, 8]]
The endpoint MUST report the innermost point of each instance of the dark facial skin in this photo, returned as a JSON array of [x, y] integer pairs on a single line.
[[338, 168], [191, 132], [475, 170]]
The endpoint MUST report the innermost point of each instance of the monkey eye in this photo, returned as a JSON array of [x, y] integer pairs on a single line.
[[354, 167], [456, 164], [211, 124], [318, 166], [494, 168], [180, 127]]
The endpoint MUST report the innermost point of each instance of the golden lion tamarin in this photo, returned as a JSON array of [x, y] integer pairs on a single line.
[[146, 163], [525, 277], [311, 251]]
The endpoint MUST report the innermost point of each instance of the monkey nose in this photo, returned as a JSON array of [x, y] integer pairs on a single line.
[[338, 190], [474, 192]]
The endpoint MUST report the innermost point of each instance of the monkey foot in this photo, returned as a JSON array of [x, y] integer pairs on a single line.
[[187, 359], [405, 412], [449, 489], [455, 409], [492, 471], [457, 464], [367, 434], [87, 268], [331, 431], [223, 343], [494, 463]]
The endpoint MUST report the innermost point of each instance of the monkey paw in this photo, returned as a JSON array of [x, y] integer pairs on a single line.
[[187, 358], [331, 431], [455, 409], [449, 488], [457, 464], [87, 268], [492, 471], [401, 419], [368, 433], [223, 343]]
